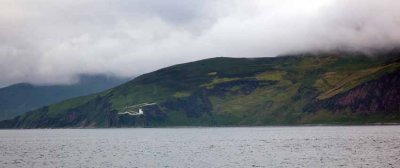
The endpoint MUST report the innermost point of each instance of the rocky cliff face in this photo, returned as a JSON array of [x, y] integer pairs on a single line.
[[378, 96]]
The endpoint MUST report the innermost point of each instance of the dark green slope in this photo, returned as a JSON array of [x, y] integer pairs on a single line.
[[19, 98], [342, 88]]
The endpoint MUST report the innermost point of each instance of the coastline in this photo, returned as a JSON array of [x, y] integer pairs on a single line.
[[221, 126]]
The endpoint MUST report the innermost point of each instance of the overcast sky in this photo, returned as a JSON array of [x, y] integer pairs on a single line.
[[52, 41]]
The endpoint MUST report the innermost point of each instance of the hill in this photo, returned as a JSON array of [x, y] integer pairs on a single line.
[[323, 88], [23, 97]]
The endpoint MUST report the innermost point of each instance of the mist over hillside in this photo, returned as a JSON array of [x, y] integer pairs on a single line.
[[50, 43]]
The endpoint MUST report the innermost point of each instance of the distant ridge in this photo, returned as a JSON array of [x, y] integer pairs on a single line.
[[23, 97]]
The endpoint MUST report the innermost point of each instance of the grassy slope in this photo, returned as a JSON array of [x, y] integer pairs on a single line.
[[240, 91]]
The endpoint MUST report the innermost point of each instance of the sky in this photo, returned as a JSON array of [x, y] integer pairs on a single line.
[[48, 42]]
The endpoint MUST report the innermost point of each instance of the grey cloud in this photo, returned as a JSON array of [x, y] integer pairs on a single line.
[[47, 42]]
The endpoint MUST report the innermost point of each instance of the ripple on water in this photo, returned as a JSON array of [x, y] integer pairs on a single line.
[[364, 146]]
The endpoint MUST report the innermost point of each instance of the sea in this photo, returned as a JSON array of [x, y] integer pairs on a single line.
[[203, 147]]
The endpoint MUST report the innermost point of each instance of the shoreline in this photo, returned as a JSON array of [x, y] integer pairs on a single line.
[[222, 126]]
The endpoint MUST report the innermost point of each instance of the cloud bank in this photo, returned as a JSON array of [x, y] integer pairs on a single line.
[[52, 42]]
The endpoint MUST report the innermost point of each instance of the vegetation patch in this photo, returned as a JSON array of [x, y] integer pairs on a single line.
[[271, 75], [181, 94], [330, 80], [217, 81], [212, 73]]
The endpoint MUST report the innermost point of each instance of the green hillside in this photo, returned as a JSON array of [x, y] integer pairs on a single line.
[[325, 88]]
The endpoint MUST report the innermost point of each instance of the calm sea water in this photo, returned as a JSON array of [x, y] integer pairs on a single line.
[[322, 146]]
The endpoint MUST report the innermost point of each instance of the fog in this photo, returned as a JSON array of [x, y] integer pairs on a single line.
[[53, 42]]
